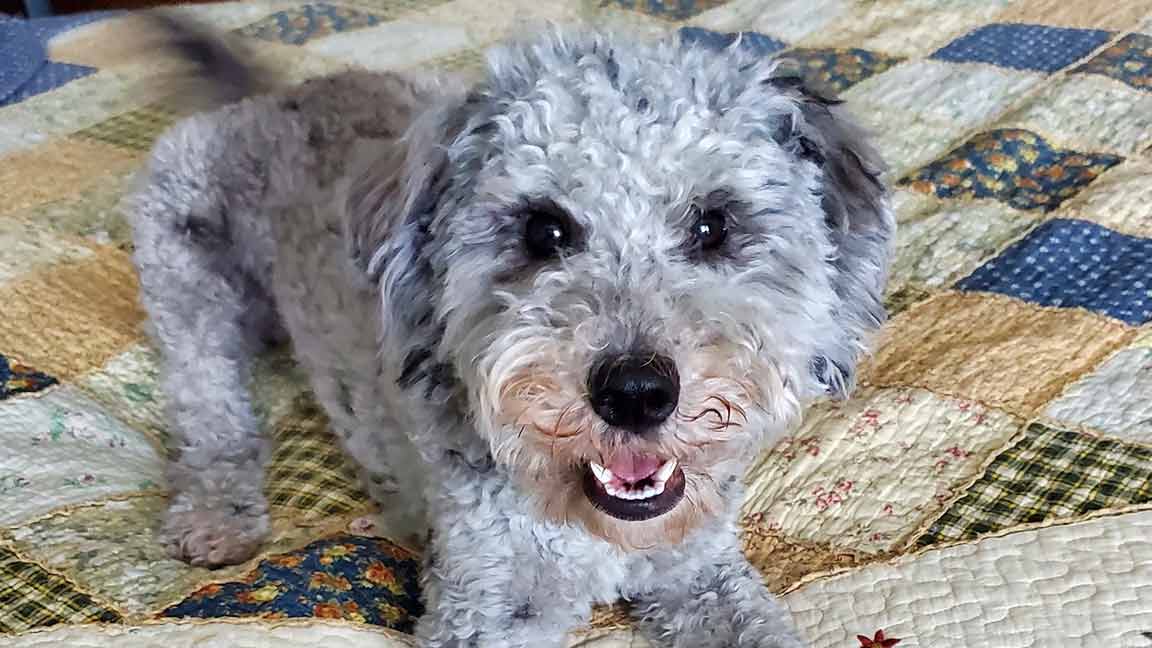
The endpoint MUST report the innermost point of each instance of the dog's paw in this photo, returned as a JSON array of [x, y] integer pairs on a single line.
[[212, 538]]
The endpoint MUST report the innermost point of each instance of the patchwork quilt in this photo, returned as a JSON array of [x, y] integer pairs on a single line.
[[990, 484]]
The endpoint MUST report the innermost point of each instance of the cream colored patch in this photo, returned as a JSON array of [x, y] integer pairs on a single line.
[[1089, 113], [905, 142], [110, 550], [1083, 584], [25, 247], [902, 28], [62, 448], [864, 474], [992, 348], [963, 95], [394, 45], [1121, 199], [225, 633], [72, 107], [789, 20], [1116, 398], [934, 247], [128, 385], [1118, 15]]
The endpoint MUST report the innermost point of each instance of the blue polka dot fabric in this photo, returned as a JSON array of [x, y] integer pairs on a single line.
[[25, 69], [1074, 263], [1024, 47], [758, 43]]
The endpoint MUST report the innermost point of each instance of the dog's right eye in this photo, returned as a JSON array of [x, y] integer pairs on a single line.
[[547, 233]]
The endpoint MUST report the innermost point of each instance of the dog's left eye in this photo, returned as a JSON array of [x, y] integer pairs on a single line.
[[709, 227], [546, 233]]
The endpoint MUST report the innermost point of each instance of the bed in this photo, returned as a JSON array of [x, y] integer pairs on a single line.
[[989, 483]]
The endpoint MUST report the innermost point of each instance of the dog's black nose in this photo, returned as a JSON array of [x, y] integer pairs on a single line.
[[634, 392]]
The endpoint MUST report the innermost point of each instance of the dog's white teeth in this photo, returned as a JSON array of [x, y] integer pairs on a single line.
[[665, 471], [603, 475], [657, 488]]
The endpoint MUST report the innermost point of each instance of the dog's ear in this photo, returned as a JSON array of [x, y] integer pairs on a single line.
[[859, 218], [390, 207]]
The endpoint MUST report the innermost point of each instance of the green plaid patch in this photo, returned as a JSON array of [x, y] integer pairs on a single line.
[[135, 129], [900, 299], [308, 471], [31, 597], [1050, 474]]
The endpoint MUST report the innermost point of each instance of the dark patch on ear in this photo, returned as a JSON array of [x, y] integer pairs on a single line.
[[612, 68], [413, 368], [642, 104], [524, 612]]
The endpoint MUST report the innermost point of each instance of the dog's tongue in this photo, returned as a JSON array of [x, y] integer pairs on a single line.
[[633, 466]]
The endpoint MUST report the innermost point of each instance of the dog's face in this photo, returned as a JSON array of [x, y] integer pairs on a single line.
[[642, 260]]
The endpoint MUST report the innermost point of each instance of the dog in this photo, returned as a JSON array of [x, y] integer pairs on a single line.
[[552, 315]]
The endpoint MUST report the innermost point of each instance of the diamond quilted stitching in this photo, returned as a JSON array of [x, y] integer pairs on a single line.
[[1048, 475], [1012, 165], [301, 24], [1023, 47], [1074, 263], [1129, 60]]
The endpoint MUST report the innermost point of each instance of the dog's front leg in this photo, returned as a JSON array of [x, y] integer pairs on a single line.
[[716, 600], [489, 582]]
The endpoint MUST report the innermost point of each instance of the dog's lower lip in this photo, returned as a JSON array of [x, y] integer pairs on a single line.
[[635, 510]]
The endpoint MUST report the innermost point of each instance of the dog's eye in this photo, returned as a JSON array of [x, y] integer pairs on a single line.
[[709, 227], [546, 233]]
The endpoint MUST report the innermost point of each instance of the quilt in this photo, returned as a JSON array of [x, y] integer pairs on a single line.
[[989, 484]]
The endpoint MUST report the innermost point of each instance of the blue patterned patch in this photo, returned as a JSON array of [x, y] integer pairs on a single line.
[[1129, 60], [838, 69], [25, 70], [1024, 47], [1074, 263], [367, 580], [1013, 166], [758, 43], [299, 25], [15, 378], [671, 9]]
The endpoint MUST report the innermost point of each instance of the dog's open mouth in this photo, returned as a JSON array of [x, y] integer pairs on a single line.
[[634, 486]]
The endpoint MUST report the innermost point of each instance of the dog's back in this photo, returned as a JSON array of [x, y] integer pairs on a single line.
[[240, 235]]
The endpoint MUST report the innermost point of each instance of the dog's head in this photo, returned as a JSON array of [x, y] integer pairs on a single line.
[[639, 260]]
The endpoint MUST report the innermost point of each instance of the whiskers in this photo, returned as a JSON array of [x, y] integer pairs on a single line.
[[719, 414]]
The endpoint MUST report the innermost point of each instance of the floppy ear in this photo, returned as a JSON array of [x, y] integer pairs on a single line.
[[389, 209], [860, 221]]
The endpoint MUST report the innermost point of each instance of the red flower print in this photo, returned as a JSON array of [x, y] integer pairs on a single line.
[[878, 641], [327, 611], [888, 509], [320, 580], [379, 575]]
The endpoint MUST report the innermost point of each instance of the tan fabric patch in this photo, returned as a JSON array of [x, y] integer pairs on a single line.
[[993, 349], [72, 317], [62, 168], [1121, 199], [1116, 15], [784, 562]]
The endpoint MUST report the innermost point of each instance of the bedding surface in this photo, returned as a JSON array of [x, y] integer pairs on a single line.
[[989, 484]]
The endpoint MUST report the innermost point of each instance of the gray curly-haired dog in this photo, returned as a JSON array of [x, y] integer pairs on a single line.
[[552, 316]]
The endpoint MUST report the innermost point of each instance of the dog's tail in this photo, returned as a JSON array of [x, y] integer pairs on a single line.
[[207, 67]]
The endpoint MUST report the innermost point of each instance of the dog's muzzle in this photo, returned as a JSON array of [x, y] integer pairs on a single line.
[[634, 394]]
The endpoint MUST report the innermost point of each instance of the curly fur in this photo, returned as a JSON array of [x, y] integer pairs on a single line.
[[374, 220]]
